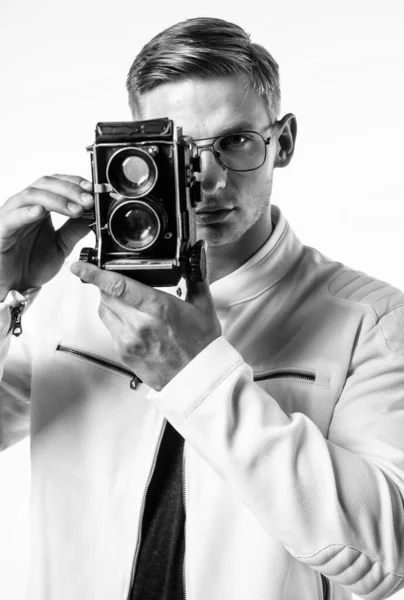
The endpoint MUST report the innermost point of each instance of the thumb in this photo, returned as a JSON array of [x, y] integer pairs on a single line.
[[70, 233], [199, 294]]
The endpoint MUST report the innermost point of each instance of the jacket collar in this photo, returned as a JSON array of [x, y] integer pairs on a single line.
[[264, 269]]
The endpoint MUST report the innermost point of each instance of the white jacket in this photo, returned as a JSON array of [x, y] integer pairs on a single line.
[[294, 428]]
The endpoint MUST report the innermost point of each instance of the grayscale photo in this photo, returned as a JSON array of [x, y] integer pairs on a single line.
[[202, 301]]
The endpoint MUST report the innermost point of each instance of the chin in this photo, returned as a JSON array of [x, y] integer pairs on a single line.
[[217, 235]]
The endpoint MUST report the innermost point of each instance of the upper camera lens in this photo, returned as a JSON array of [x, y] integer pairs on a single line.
[[136, 170], [132, 172]]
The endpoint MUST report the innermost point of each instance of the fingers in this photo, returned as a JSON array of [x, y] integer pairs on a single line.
[[129, 291], [111, 319], [13, 221], [68, 195], [70, 233], [45, 201], [139, 295], [84, 183], [199, 294], [197, 289]]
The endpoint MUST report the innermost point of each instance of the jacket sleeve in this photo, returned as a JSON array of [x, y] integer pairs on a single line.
[[15, 379], [335, 503]]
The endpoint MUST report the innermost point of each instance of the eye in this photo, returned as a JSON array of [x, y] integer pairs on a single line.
[[234, 140]]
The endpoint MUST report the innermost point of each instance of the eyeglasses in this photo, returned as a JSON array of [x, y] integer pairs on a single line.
[[237, 151]]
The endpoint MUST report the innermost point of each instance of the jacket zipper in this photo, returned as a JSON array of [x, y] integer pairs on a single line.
[[142, 509], [305, 375], [325, 586], [102, 362], [184, 492]]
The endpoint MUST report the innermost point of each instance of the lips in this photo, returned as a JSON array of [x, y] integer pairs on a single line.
[[213, 208], [212, 215]]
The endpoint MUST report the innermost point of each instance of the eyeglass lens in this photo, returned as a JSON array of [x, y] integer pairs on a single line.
[[241, 151]]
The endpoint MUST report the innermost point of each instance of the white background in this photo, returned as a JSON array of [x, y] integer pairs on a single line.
[[63, 68]]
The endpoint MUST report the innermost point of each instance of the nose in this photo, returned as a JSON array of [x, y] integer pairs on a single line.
[[213, 176]]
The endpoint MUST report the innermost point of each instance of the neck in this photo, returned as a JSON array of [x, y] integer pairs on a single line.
[[223, 260]]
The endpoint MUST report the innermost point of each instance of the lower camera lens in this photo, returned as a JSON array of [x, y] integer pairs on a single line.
[[136, 225]]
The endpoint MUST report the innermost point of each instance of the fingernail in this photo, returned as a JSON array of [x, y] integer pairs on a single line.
[[35, 210], [74, 208], [76, 270], [86, 197], [87, 185]]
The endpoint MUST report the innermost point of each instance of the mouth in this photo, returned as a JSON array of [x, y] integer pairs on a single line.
[[212, 215]]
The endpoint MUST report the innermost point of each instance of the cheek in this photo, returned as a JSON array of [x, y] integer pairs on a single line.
[[252, 187]]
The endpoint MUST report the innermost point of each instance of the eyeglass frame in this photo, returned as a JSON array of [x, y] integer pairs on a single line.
[[210, 147]]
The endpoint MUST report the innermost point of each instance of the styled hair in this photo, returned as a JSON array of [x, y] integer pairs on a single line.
[[203, 47]]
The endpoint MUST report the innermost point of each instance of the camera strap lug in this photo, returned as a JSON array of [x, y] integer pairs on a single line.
[[101, 188]]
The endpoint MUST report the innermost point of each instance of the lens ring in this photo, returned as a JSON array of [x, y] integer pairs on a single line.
[[149, 218], [144, 170]]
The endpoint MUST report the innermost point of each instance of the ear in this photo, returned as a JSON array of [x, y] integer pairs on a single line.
[[285, 132]]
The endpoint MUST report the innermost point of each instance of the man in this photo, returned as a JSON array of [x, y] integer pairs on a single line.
[[285, 378]]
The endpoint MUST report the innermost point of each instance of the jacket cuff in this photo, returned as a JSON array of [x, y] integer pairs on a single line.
[[198, 379]]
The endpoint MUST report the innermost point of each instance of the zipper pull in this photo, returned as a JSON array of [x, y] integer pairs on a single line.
[[16, 302], [134, 382], [16, 320]]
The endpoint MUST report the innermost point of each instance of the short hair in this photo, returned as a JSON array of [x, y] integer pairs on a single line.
[[203, 47]]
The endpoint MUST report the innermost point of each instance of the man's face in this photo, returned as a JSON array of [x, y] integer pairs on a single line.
[[235, 205]]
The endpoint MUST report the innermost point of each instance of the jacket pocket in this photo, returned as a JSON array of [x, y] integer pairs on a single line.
[[101, 362], [293, 374], [301, 390]]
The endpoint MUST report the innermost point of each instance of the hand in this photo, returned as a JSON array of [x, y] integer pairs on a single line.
[[154, 333], [31, 250]]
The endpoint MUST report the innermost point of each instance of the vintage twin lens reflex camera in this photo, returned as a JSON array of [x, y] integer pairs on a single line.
[[145, 196]]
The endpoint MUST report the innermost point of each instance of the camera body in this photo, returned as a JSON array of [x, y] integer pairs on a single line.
[[145, 195]]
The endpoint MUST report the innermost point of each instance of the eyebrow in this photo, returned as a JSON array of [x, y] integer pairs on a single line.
[[238, 126]]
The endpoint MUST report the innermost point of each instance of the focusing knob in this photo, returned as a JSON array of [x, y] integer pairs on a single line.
[[196, 192], [87, 255], [197, 262], [196, 163]]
